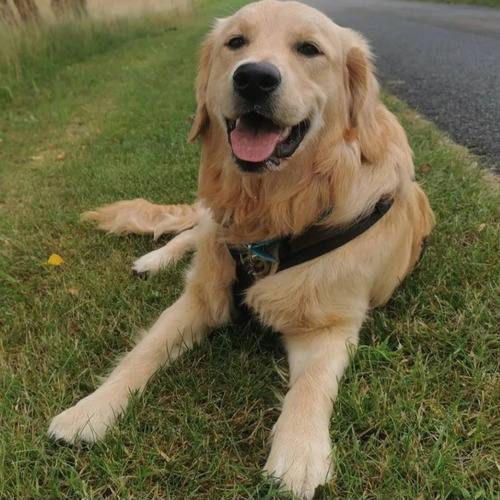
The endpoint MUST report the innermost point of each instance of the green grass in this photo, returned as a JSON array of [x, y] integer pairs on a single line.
[[35, 54], [418, 412]]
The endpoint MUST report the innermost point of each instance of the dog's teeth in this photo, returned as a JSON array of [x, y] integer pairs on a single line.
[[275, 161], [286, 132]]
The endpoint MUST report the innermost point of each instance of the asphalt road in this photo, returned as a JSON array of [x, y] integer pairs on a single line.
[[444, 60]]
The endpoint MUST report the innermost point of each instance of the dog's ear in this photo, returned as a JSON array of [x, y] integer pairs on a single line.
[[362, 85], [201, 117]]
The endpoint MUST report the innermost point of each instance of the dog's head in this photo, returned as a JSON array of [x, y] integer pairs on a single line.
[[273, 75]]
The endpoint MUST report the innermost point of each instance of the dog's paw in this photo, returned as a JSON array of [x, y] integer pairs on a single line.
[[165, 256], [87, 421], [299, 460], [153, 261]]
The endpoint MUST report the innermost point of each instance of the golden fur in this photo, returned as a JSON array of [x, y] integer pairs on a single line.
[[354, 154]]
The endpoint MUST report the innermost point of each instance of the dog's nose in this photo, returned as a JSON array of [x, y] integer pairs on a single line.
[[255, 81]]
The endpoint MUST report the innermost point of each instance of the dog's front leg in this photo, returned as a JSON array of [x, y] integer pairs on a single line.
[[205, 304], [171, 253], [300, 452]]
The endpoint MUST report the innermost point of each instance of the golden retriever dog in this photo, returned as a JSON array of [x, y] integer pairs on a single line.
[[295, 147]]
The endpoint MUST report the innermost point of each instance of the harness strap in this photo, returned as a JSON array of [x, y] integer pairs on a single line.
[[257, 259], [318, 240], [244, 280]]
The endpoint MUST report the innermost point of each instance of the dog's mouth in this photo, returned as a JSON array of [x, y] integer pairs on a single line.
[[258, 143]]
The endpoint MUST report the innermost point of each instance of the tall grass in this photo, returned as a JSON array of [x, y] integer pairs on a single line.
[[31, 54]]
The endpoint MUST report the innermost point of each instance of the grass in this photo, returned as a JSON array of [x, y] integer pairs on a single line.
[[97, 9], [30, 56], [418, 412]]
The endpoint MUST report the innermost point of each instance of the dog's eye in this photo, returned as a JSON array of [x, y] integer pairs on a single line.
[[307, 49], [236, 42]]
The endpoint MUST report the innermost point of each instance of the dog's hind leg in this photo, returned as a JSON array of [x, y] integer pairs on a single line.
[[142, 217], [205, 304]]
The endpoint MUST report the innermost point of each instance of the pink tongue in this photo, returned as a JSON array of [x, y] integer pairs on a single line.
[[254, 145]]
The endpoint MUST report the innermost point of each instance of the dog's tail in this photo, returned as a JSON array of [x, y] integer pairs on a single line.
[[141, 217]]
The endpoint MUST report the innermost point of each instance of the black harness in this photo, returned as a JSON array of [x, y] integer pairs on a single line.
[[261, 259]]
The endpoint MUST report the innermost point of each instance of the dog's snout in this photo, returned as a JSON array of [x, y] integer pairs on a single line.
[[255, 81]]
